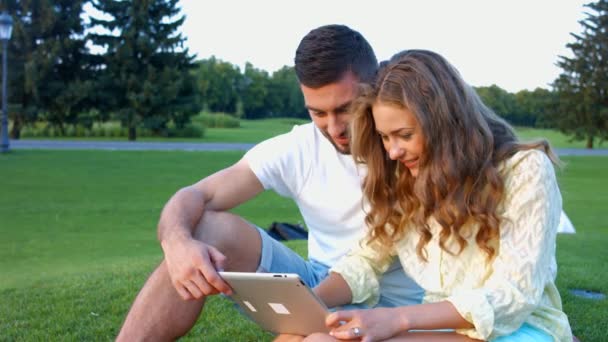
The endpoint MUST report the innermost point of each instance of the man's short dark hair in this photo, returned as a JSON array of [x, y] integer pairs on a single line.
[[326, 53]]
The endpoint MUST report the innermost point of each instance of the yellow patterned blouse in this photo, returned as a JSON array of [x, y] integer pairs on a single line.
[[516, 287]]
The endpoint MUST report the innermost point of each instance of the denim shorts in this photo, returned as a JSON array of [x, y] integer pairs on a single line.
[[526, 333], [396, 289]]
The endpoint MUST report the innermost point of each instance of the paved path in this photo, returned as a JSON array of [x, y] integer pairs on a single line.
[[187, 146]]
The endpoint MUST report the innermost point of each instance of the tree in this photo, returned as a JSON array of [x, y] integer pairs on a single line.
[[146, 78], [284, 94], [255, 90], [218, 85], [50, 68], [500, 101], [65, 80], [583, 83], [49, 63], [536, 108]]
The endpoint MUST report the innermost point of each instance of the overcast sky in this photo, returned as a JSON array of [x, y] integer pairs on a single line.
[[512, 43]]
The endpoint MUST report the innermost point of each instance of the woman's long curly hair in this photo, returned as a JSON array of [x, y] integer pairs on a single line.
[[458, 180]]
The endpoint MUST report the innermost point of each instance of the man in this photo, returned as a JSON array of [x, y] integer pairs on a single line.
[[311, 164]]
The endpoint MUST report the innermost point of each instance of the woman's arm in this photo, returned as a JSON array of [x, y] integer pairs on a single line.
[[383, 323], [334, 290]]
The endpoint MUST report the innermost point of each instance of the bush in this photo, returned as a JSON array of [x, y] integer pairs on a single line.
[[217, 120], [190, 131], [111, 129]]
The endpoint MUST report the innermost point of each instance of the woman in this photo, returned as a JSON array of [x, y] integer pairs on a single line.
[[471, 213]]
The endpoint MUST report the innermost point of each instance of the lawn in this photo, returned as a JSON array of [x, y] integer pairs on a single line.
[[253, 131], [78, 241], [556, 138]]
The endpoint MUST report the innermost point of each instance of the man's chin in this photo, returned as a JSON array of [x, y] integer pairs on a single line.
[[344, 149]]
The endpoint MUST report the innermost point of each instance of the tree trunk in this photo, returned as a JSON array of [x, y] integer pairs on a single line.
[[61, 129], [16, 129], [589, 142], [132, 133]]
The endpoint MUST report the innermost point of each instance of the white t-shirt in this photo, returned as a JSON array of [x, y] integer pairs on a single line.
[[324, 183]]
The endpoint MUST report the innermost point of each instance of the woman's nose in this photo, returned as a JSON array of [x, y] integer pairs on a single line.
[[395, 151]]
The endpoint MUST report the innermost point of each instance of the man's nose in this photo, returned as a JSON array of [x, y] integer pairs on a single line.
[[334, 126]]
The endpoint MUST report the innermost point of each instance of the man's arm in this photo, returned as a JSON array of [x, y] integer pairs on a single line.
[[192, 264]]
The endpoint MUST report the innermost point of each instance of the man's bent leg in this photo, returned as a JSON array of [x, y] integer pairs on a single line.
[[397, 288], [159, 313]]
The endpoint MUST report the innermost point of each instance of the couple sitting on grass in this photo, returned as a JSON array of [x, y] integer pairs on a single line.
[[448, 192]]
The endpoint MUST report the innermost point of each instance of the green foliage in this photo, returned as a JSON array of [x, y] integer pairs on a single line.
[[110, 129], [219, 84], [284, 95], [583, 84], [536, 108], [73, 259], [145, 78], [255, 91], [224, 89], [217, 120], [50, 69]]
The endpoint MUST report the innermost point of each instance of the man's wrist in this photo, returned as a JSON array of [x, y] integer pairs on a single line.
[[176, 236]]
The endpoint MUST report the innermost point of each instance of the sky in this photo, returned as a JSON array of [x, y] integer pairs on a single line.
[[514, 44]]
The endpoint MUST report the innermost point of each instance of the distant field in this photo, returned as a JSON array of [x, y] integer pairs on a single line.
[[78, 241], [556, 138], [253, 131]]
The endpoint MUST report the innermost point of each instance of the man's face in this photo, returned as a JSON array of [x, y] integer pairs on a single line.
[[328, 107]]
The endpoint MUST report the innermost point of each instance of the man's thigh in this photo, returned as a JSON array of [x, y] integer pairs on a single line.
[[397, 288], [278, 258]]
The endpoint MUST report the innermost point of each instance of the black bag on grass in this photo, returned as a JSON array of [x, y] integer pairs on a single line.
[[283, 231]]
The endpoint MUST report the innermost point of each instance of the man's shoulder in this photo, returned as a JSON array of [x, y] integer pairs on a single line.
[[300, 140], [303, 131], [299, 135]]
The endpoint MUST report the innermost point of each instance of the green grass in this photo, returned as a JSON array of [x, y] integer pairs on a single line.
[[250, 131], [78, 241], [556, 138], [254, 131]]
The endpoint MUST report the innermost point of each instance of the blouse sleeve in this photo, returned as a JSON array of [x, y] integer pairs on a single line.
[[361, 269], [525, 262]]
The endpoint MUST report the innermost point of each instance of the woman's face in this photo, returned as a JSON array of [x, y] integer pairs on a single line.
[[400, 133]]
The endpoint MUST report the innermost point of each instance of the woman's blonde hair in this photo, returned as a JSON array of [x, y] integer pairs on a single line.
[[464, 141]]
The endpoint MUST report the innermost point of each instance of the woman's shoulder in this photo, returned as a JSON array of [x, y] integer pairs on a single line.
[[524, 161]]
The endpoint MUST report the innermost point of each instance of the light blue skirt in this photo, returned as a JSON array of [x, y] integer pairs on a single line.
[[526, 333]]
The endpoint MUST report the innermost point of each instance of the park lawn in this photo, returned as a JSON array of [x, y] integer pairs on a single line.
[[556, 138], [78, 241], [254, 131]]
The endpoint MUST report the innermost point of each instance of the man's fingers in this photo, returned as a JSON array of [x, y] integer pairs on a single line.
[[217, 258], [182, 292], [193, 289], [209, 272], [202, 284]]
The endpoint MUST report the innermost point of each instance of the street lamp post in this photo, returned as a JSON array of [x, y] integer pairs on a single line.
[[6, 28]]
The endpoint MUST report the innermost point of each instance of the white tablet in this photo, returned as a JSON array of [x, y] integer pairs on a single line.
[[278, 302]]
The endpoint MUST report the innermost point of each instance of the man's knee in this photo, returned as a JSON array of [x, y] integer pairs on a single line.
[[234, 237], [216, 227]]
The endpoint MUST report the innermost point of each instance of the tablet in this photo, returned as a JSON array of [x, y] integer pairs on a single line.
[[278, 302]]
